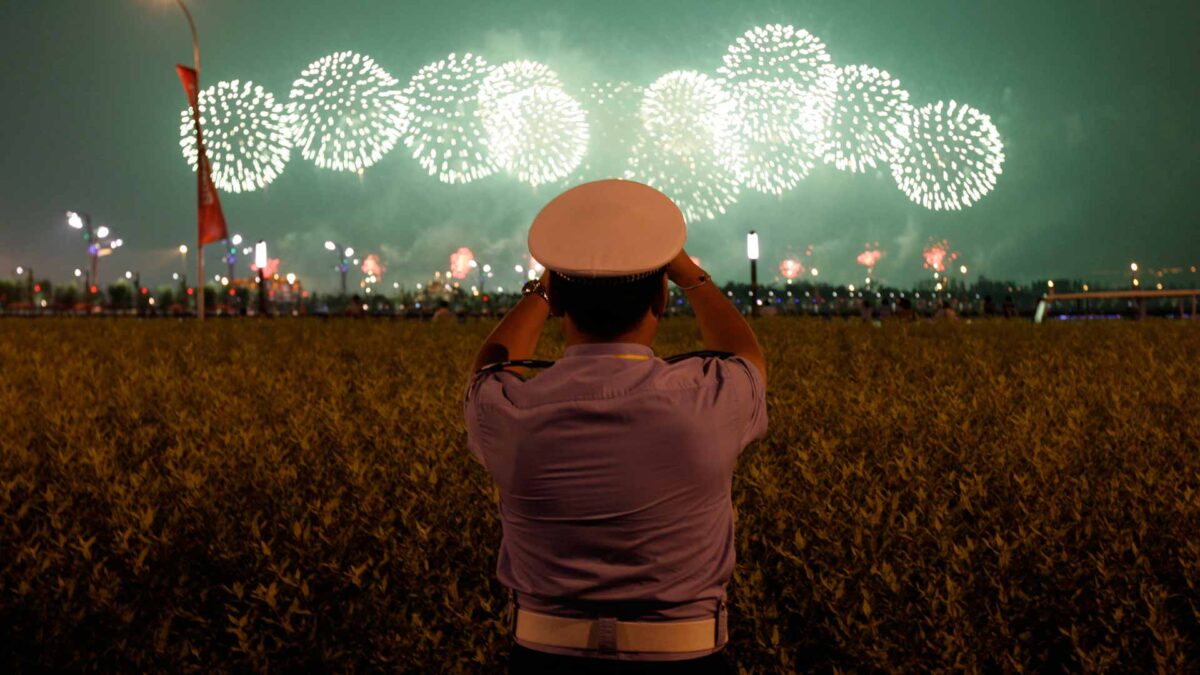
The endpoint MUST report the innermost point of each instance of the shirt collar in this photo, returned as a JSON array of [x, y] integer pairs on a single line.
[[609, 349]]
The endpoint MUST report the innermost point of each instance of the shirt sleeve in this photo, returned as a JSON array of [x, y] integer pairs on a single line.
[[485, 391], [747, 391]]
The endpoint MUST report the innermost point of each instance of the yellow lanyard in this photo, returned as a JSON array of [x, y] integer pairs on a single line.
[[631, 357]]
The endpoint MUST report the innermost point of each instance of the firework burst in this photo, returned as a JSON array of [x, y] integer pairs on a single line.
[[460, 262], [446, 136], [246, 138], [791, 268], [345, 113], [869, 120], [952, 156], [689, 146], [538, 134], [514, 77], [936, 254], [785, 87], [870, 257]]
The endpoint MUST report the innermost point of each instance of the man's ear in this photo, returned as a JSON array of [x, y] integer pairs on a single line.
[[659, 308]]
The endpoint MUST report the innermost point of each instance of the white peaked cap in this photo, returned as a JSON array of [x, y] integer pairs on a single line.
[[607, 228]]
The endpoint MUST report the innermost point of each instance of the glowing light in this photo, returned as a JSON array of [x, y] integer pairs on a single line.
[[246, 135], [539, 134], [963, 269], [78, 272], [869, 119], [815, 272], [291, 278], [535, 266], [936, 255], [372, 267], [445, 137], [791, 268], [74, 220], [330, 246], [952, 156], [237, 240], [345, 113], [752, 245], [1133, 267], [260, 254], [870, 257], [518, 269], [460, 263], [349, 252], [183, 249], [102, 232]]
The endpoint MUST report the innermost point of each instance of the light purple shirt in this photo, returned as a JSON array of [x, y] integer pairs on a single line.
[[614, 469]]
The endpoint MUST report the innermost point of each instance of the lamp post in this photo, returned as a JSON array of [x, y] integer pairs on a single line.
[[344, 256], [752, 254], [83, 222], [260, 261]]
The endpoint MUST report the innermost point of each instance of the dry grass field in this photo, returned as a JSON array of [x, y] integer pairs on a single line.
[[297, 495]]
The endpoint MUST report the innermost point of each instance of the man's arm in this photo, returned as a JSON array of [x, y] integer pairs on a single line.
[[721, 325], [516, 336]]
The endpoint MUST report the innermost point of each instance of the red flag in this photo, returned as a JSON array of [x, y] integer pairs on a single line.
[[211, 221]]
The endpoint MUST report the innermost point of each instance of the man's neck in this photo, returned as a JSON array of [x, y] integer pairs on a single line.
[[642, 334]]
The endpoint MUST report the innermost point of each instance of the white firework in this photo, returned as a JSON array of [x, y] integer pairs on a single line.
[[951, 158], [446, 136], [785, 86], [868, 124], [777, 146], [246, 137], [514, 77], [687, 112], [345, 112], [689, 146], [539, 134], [701, 184]]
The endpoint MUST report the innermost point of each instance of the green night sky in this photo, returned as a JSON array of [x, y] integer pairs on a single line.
[[1096, 103]]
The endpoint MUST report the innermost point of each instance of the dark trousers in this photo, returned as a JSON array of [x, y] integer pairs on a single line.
[[532, 662]]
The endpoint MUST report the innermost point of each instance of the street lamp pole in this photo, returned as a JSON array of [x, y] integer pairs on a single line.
[[199, 144], [260, 261], [752, 254]]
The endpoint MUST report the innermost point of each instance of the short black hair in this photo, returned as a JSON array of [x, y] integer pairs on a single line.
[[605, 309]]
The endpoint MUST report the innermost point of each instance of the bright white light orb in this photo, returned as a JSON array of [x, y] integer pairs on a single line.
[[246, 136], [869, 120], [346, 113], [446, 136], [952, 158]]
